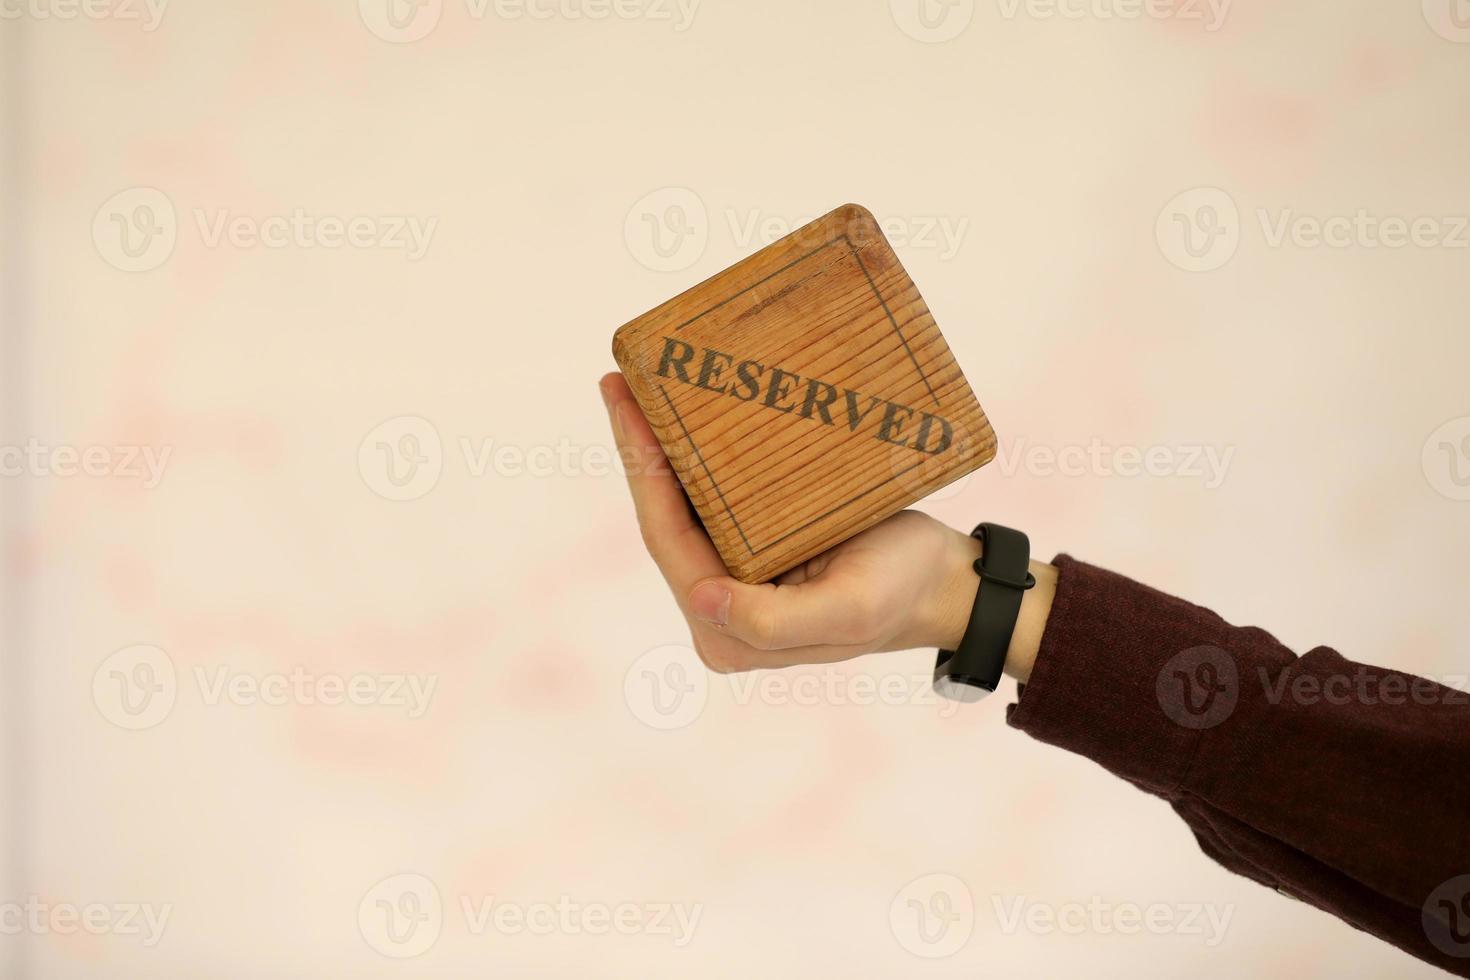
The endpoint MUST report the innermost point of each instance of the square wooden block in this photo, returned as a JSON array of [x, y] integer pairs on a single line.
[[804, 394]]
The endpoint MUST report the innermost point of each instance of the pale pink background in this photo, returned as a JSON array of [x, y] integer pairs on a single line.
[[531, 777]]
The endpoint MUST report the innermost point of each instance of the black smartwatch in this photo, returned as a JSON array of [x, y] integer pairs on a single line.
[[974, 668]]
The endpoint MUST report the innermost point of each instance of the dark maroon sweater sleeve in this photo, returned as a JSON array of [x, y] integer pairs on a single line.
[[1340, 784]]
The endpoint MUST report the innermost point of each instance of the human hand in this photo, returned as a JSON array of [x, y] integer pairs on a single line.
[[904, 583]]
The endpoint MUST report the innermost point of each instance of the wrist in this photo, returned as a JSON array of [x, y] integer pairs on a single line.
[[955, 591], [958, 589], [1031, 623]]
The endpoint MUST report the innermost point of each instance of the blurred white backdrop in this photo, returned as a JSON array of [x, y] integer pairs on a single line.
[[329, 640]]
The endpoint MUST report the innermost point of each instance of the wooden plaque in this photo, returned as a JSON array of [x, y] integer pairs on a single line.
[[804, 394]]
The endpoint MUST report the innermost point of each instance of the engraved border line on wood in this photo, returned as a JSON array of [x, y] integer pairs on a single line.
[[898, 331], [700, 456]]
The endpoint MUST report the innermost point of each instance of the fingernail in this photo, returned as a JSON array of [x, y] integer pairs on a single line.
[[711, 603], [606, 399]]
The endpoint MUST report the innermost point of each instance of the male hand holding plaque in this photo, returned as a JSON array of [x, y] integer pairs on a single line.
[[804, 397], [904, 583]]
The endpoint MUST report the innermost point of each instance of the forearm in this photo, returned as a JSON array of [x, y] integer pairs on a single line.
[[1356, 804]]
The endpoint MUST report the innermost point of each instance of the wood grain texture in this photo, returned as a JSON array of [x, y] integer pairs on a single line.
[[804, 394]]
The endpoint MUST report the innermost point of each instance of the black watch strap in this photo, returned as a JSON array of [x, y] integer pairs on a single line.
[[974, 668]]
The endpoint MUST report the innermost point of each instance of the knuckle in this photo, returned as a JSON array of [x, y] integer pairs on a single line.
[[764, 627], [658, 548]]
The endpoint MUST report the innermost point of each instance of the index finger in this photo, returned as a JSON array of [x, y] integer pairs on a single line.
[[673, 535]]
